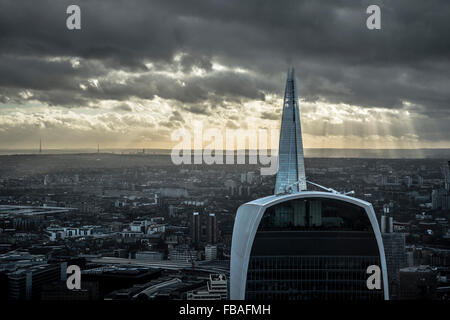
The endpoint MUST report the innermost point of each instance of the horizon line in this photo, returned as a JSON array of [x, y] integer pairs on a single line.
[[170, 149]]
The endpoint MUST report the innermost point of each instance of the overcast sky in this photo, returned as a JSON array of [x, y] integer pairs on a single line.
[[137, 70]]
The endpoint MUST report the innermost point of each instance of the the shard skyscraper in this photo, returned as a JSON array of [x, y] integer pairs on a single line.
[[291, 164]]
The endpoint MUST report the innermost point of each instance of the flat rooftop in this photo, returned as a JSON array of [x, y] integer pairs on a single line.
[[32, 210], [273, 199], [421, 268]]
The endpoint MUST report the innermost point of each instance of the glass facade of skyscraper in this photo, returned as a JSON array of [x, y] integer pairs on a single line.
[[291, 167], [313, 248]]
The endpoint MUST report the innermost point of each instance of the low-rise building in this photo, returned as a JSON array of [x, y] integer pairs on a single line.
[[216, 289]]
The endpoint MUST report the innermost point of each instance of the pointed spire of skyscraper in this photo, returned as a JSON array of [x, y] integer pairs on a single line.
[[40, 145], [291, 164]]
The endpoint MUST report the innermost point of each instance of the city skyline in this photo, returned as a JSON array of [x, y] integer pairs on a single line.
[[279, 239], [157, 152]]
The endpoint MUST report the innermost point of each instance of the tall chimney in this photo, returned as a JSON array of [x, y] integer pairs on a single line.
[[383, 224]]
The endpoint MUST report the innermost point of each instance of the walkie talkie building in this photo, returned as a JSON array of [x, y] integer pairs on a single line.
[[304, 245]]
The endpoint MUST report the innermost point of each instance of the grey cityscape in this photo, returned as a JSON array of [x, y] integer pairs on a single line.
[[140, 227], [94, 206]]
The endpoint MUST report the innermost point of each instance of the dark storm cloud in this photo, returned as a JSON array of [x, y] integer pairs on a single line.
[[195, 89], [25, 72], [123, 107], [198, 109], [176, 116], [337, 58], [270, 115], [190, 61]]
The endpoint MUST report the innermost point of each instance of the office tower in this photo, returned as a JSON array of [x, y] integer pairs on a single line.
[[387, 220], [210, 252], [395, 252], [211, 229], [195, 228], [231, 186], [171, 211], [440, 198], [291, 166], [250, 177], [304, 245], [182, 253], [26, 283], [446, 174]]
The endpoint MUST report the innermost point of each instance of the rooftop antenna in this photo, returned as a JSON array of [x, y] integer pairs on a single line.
[[288, 189], [40, 145]]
